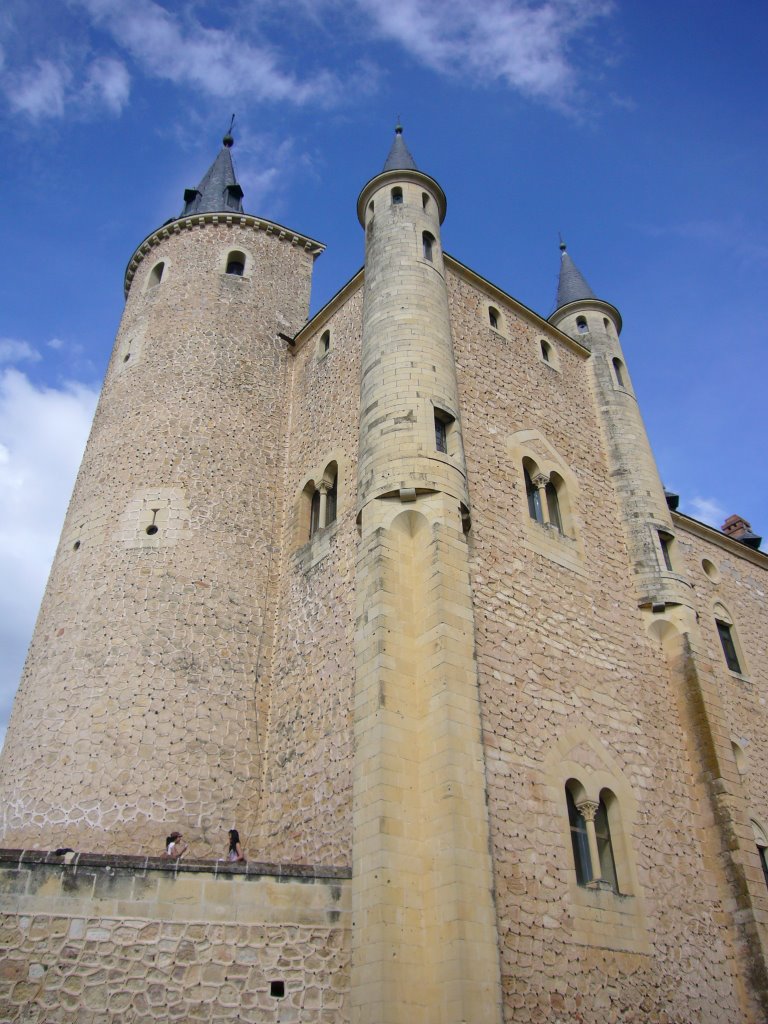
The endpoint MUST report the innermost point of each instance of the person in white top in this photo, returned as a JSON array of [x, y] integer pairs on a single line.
[[175, 847]]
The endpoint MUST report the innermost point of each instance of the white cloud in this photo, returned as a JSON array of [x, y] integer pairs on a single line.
[[177, 47], [13, 351], [42, 435], [39, 91], [708, 510], [108, 82], [513, 41]]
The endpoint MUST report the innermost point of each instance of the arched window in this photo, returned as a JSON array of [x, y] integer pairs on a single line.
[[325, 342], [236, 263], [424, 200], [494, 318], [546, 349], [156, 275], [397, 196], [581, 324], [618, 369], [591, 834], [427, 242]]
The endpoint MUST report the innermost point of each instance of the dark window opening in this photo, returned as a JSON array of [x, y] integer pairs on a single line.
[[277, 989], [581, 324], [553, 506], [605, 847], [441, 435], [325, 341], [314, 514], [534, 498], [579, 841], [236, 263], [397, 196], [729, 647], [545, 347], [493, 318], [617, 371], [761, 850], [424, 200], [331, 501], [427, 242], [665, 540]]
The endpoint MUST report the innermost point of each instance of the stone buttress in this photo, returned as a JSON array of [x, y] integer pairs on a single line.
[[424, 940]]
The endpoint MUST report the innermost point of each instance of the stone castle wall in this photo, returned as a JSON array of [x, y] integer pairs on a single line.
[[572, 688], [110, 939], [308, 764]]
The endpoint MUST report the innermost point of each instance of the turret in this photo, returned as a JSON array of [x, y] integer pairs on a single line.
[[425, 932], [410, 433], [137, 710], [596, 324]]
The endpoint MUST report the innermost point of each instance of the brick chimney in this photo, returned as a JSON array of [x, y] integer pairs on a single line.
[[739, 529]]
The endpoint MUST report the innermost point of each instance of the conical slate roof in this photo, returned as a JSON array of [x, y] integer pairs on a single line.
[[219, 191], [571, 287], [399, 158]]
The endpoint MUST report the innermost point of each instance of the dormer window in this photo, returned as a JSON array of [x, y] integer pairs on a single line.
[[233, 196]]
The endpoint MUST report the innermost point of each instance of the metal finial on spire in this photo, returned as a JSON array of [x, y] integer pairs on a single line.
[[399, 126], [563, 246], [229, 139]]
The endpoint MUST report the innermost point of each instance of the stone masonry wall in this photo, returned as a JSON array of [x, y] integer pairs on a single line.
[[107, 940], [307, 812], [740, 585], [571, 686], [138, 711]]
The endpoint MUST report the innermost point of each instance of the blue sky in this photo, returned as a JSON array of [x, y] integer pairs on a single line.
[[638, 129]]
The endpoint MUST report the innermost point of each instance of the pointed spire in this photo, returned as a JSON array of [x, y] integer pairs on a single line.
[[219, 191], [399, 158], [572, 286]]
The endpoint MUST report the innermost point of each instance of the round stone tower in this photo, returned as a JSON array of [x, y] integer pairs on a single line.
[[424, 944], [139, 708], [648, 524]]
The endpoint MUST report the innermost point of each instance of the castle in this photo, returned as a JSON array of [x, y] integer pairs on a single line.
[[398, 592]]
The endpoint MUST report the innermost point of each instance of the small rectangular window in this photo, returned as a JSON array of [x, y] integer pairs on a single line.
[[441, 435], [665, 541], [729, 648]]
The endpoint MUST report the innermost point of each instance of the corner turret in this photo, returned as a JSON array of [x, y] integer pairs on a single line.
[[596, 324]]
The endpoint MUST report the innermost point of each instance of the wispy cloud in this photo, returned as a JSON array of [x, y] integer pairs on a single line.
[[14, 351], [38, 91], [708, 510], [53, 88], [108, 82], [521, 44], [732, 236], [177, 47]]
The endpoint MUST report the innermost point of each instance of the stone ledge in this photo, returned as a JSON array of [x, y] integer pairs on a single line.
[[19, 858]]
